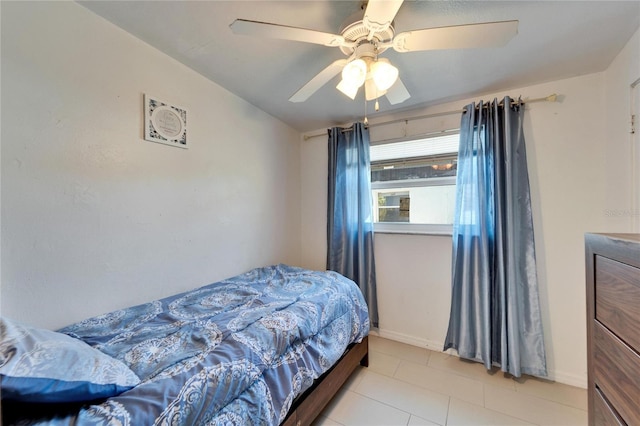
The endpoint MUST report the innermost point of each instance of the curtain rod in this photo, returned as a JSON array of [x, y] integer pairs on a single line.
[[551, 98]]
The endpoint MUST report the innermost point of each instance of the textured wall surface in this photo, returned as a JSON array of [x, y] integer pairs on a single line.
[[95, 218]]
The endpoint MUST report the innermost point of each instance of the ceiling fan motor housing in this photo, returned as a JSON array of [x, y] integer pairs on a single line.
[[366, 51], [356, 32]]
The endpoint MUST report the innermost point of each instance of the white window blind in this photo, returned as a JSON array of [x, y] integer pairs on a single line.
[[415, 148]]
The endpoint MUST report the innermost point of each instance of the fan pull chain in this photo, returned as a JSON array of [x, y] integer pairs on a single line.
[[366, 121]]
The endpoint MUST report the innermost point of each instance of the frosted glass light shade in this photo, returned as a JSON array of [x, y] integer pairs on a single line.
[[354, 73], [348, 89], [371, 91], [384, 74]]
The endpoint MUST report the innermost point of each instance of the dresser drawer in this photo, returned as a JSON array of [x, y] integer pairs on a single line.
[[617, 306], [604, 414], [616, 368]]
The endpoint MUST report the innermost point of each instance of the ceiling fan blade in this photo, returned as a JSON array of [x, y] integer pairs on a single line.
[[264, 29], [397, 93], [490, 34], [318, 81], [379, 14]]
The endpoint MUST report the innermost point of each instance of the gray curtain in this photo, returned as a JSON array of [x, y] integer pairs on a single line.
[[495, 312], [349, 211]]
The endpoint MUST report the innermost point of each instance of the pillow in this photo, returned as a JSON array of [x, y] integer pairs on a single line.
[[38, 365]]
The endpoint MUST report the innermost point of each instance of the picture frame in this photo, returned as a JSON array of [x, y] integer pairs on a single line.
[[165, 123]]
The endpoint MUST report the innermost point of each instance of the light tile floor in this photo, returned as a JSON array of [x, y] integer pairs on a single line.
[[407, 385]]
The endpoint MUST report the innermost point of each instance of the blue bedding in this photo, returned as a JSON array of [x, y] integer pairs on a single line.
[[236, 352]]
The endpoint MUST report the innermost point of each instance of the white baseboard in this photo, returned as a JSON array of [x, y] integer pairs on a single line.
[[556, 376], [409, 340], [571, 379]]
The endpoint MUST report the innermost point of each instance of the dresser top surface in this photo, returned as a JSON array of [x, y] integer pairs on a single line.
[[634, 238], [621, 247]]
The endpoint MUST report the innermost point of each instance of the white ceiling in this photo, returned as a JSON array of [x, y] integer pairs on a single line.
[[555, 40]]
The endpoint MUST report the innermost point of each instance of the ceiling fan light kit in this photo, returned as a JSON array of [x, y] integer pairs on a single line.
[[383, 73], [349, 90], [377, 76], [354, 73], [371, 91], [367, 34]]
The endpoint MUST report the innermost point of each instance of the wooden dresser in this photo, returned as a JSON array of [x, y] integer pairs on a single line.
[[613, 328]]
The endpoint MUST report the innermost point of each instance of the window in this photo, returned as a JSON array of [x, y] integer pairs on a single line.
[[414, 184], [393, 206]]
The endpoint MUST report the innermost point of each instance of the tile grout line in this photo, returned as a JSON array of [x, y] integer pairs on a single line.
[[520, 417], [465, 375], [396, 369], [384, 403], [484, 395], [429, 352], [398, 408], [434, 364], [548, 399], [513, 387], [541, 398]]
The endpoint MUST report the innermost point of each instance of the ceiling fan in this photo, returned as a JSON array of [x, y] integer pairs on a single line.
[[366, 35]]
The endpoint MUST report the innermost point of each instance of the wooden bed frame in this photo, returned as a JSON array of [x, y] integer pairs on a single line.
[[311, 403], [307, 406]]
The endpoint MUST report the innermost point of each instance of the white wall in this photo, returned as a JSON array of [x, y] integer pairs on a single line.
[[622, 190], [94, 218], [572, 146]]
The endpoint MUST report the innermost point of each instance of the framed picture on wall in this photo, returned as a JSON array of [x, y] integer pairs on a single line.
[[164, 123]]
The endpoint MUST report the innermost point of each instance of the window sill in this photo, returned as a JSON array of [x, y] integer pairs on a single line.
[[425, 233], [412, 229]]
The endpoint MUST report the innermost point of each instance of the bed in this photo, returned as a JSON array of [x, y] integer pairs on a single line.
[[267, 347]]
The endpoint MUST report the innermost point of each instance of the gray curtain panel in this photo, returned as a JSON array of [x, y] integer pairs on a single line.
[[495, 311], [349, 211]]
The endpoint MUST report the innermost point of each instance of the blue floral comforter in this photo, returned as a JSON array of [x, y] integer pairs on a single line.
[[236, 352]]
